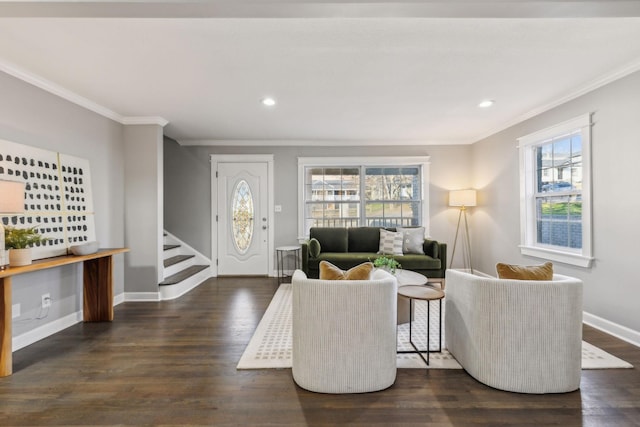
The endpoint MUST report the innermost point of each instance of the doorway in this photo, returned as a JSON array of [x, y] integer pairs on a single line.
[[241, 206]]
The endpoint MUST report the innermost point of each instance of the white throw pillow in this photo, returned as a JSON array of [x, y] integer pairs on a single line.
[[413, 239], [390, 242]]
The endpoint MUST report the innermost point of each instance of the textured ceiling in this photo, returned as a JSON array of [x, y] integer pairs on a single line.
[[390, 79]]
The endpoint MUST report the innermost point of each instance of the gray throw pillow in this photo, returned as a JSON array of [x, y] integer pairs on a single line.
[[412, 240]]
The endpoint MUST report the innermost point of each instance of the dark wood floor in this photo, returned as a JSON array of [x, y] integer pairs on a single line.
[[174, 363]]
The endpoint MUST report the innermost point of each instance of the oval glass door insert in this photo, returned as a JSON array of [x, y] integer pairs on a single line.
[[242, 213]]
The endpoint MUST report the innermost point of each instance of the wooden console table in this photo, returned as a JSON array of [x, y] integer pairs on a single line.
[[97, 291]]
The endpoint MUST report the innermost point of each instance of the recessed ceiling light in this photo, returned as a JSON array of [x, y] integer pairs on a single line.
[[486, 103], [269, 102]]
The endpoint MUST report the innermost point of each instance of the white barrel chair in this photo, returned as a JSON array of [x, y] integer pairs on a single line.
[[344, 333], [517, 335]]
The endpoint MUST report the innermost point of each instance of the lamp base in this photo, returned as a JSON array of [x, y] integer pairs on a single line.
[[466, 248]]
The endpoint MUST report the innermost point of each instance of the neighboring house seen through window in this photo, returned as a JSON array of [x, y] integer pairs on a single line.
[[555, 192], [353, 192]]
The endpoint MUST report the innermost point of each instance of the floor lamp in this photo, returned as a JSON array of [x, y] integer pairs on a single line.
[[462, 199], [11, 201]]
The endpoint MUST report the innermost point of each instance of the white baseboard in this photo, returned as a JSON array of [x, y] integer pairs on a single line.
[[611, 328], [141, 296], [42, 332], [118, 299]]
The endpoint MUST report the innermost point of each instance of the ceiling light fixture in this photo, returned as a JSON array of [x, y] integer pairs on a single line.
[[269, 102], [486, 103]]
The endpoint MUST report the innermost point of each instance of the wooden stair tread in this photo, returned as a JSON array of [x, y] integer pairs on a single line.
[[176, 259], [182, 275], [167, 247]]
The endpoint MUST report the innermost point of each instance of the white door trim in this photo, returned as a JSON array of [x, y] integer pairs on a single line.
[[241, 158]]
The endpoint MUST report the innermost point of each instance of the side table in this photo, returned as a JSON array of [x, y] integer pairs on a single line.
[[407, 277], [282, 253], [425, 293]]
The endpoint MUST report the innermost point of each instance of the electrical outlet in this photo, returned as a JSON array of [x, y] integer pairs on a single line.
[[46, 300], [15, 311]]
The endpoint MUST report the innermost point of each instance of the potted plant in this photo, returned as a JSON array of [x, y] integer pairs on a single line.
[[20, 241], [387, 263]]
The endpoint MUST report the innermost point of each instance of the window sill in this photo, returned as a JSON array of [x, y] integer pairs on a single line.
[[551, 255]]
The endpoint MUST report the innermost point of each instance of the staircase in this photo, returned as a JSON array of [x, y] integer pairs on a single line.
[[184, 268]]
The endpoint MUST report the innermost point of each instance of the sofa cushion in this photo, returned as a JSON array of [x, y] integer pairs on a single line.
[[525, 272], [419, 262], [390, 242], [364, 239], [329, 271], [314, 248], [331, 239], [341, 259], [412, 240]]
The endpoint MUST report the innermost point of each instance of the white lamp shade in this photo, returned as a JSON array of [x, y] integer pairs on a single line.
[[11, 197], [462, 198]]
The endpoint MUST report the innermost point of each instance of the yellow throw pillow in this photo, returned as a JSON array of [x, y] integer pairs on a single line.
[[329, 271], [524, 272]]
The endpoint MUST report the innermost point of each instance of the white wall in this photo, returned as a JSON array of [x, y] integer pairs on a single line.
[[611, 289], [33, 117]]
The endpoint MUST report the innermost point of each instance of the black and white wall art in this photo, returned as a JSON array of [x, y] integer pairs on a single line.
[[58, 200]]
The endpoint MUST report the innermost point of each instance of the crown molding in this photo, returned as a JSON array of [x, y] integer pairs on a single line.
[[583, 90], [319, 9], [312, 142], [55, 89], [66, 94], [144, 121]]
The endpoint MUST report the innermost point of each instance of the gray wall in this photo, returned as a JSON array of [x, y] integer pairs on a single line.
[[188, 186], [611, 285], [187, 190], [33, 117], [144, 199]]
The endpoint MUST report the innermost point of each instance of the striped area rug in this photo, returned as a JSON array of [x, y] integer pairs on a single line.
[[270, 346]]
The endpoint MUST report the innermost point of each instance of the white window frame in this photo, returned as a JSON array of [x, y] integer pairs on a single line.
[[528, 237], [422, 161]]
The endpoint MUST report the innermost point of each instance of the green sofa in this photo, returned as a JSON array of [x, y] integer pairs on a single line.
[[348, 247]]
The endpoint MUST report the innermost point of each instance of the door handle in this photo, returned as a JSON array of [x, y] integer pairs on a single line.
[[264, 227]]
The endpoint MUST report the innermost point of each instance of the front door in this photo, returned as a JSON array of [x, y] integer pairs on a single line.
[[243, 218]]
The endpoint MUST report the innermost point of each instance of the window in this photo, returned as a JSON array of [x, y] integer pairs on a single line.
[[555, 184], [368, 191], [242, 213]]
